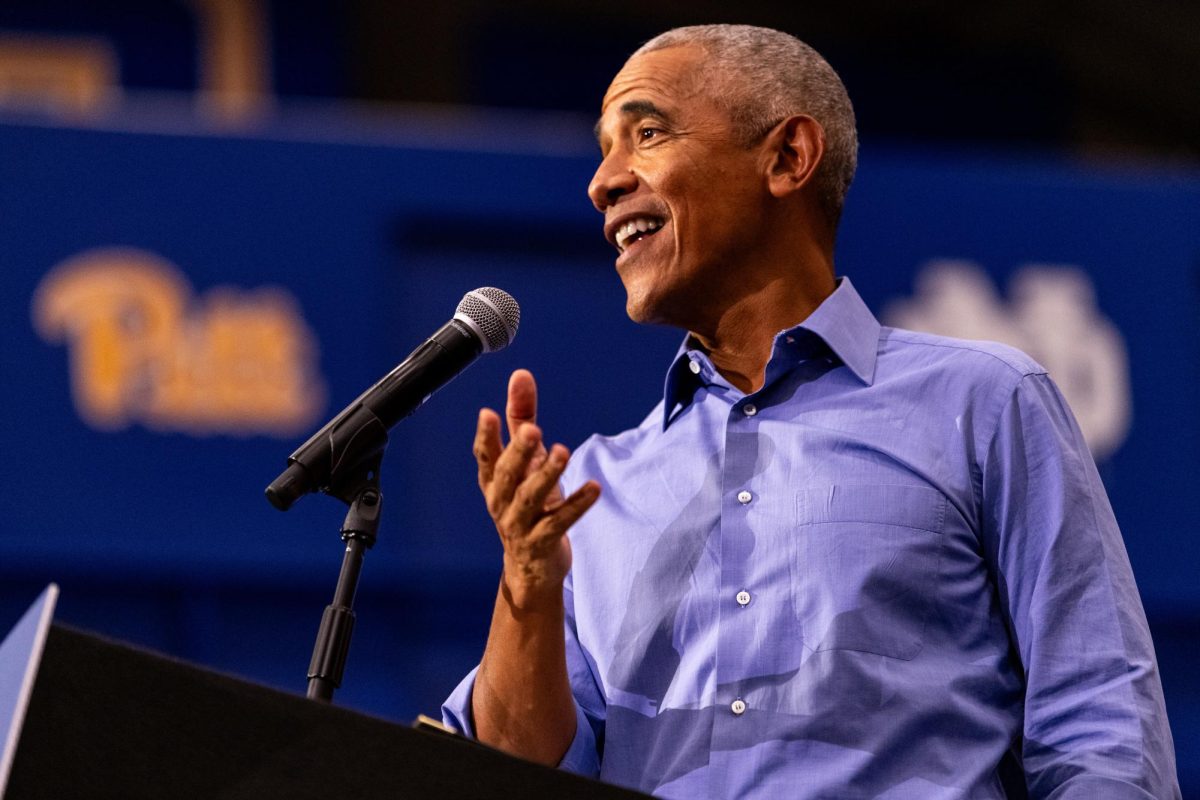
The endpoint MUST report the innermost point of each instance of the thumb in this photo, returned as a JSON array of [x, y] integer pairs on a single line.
[[522, 401]]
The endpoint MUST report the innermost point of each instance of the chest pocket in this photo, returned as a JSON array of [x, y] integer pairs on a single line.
[[865, 566]]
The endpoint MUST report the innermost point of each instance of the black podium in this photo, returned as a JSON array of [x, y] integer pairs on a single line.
[[108, 720]]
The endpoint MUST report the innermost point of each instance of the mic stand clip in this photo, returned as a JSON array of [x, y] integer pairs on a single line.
[[359, 488]]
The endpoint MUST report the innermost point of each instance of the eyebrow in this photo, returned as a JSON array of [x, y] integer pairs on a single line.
[[637, 109]]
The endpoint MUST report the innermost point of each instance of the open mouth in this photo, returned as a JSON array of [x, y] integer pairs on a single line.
[[636, 230]]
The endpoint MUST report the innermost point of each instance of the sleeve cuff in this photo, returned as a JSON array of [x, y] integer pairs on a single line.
[[581, 757], [456, 710]]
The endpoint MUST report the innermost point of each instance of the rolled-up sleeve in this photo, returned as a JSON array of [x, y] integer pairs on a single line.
[[456, 709], [583, 755], [580, 757], [1095, 721]]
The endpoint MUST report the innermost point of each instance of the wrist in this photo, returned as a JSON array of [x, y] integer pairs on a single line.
[[529, 592]]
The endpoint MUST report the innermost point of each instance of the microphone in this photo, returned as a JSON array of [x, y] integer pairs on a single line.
[[485, 321]]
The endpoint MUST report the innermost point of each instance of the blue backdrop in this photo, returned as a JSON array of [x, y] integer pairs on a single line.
[[180, 310]]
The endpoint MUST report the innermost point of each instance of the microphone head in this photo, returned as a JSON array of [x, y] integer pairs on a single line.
[[493, 314]]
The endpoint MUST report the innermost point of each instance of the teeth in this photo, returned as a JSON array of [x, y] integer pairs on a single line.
[[634, 227]]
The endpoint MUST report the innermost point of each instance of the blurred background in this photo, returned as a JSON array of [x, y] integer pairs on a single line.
[[220, 220]]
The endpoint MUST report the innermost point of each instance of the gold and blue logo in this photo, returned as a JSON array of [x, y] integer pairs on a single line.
[[144, 349]]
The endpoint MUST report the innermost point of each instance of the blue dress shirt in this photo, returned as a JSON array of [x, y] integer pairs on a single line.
[[891, 572]]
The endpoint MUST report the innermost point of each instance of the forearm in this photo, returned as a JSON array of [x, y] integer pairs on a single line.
[[522, 700]]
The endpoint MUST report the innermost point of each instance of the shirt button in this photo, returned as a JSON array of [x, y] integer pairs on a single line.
[[743, 598], [694, 366], [738, 707], [749, 409], [744, 497]]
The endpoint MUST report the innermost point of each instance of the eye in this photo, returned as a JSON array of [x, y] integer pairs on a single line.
[[647, 133]]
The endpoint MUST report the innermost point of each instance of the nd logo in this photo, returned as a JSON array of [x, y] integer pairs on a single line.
[[144, 350]]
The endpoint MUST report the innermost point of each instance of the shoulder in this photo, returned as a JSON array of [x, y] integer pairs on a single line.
[[977, 379], [600, 453], [976, 357]]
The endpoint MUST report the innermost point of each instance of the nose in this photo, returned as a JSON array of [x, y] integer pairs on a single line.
[[613, 178]]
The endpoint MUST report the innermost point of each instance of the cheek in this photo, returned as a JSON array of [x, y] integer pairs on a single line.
[[708, 223]]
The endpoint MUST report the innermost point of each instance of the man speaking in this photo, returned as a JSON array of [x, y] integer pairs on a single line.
[[838, 560]]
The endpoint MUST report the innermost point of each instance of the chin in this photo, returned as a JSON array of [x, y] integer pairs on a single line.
[[650, 299], [649, 311], [637, 312]]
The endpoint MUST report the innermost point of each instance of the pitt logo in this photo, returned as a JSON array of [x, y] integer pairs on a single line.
[[142, 349]]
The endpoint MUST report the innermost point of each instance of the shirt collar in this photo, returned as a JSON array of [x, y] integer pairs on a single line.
[[842, 321], [845, 323]]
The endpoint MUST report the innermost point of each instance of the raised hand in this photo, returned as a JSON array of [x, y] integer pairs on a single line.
[[520, 485]]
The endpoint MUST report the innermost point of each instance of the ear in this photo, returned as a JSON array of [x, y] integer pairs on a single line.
[[797, 146]]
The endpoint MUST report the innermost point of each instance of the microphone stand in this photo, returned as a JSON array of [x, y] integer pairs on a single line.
[[359, 488]]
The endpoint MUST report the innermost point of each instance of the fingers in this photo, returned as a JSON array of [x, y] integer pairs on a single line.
[[512, 467], [530, 540], [520, 482], [522, 401], [487, 446], [534, 508], [521, 408], [560, 518], [529, 499]]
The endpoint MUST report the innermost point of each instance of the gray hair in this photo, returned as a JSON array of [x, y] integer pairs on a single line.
[[762, 76]]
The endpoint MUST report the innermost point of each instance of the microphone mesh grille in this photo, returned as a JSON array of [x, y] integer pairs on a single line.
[[494, 312]]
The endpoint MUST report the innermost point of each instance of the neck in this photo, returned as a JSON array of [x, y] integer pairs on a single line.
[[739, 341]]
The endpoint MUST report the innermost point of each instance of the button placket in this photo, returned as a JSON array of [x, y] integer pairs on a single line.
[[735, 657]]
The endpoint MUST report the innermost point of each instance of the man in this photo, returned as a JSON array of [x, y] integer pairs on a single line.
[[838, 560]]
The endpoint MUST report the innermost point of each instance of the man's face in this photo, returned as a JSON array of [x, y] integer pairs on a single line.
[[682, 198]]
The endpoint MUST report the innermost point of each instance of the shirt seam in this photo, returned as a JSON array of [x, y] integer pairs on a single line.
[[1024, 372]]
